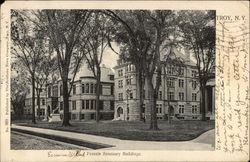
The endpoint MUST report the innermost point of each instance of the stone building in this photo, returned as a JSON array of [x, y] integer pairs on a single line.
[[178, 96], [28, 104], [82, 100]]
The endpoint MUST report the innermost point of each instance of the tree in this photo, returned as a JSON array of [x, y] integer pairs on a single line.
[[134, 43], [45, 69], [143, 35], [27, 48], [64, 28], [198, 28], [19, 90], [96, 34]]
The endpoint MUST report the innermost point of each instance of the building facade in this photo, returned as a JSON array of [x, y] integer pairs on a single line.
[[28, 105], [178, 96], [82, 100]]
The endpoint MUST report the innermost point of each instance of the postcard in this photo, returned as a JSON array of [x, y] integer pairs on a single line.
[[125, 81]]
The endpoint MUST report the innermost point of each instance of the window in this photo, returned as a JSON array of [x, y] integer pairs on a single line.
[[91, 88], [87, 88], [194, 84], [101, 105], [43, 101], [194, 96], [170, 82], [159, 95], [92, 104], [129, 68], [120, 84], [181, 109], [181, 83], [82, 88], [159, 108], [111, 77], [111, 90], [131, 95], [83, 104], [92, 116], [100, 89], [73, 116], [42, 112], [129, 80], [83, 116], [112, 105], [74, 89], [194, 73], [170, 95], [120, 72], [94, 88], [194, 109], [73, 105], [170, 69], [120, 96], [181, 96], [87, 104]]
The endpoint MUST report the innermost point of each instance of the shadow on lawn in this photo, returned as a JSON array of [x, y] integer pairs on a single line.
[[134, 130]]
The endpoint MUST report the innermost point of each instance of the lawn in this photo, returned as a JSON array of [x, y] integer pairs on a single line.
[[131, 130], [27, 142]]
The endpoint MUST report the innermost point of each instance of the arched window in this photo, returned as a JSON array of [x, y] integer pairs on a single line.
[[95, 88], [82, 88], [91, 88], [87, 88]]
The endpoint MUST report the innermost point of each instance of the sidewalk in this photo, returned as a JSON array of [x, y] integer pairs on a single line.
[[203, 142]]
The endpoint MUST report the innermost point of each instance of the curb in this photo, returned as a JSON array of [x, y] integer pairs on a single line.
[[92, 145]]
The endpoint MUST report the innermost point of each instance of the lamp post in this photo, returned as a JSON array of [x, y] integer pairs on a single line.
[[127, 94]]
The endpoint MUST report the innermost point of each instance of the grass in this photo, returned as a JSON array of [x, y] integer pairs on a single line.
[[26, 142], [131, 130]]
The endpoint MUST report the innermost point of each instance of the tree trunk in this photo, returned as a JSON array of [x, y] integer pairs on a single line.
[[98, 90], [202, 102], [65, 102], [33, 99], [139, 90], [152, 100], [38, 103]]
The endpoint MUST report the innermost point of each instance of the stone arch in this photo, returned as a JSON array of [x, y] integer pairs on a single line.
[[171, 110], [119, 112]]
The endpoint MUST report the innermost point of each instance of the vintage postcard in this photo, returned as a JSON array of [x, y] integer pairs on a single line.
[[125, 81]]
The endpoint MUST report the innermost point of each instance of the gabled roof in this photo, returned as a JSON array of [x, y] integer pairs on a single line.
[[173, 53]]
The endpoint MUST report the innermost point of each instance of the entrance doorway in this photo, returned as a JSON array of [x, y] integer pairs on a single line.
[[119, 112]]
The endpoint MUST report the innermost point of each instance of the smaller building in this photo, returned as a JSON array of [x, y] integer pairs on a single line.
[[28, 105], [82, 100]]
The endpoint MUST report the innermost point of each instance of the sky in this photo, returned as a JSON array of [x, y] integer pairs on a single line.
[[110, 57]]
